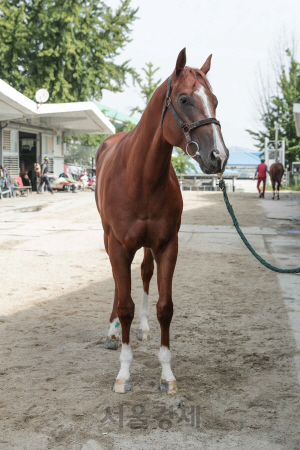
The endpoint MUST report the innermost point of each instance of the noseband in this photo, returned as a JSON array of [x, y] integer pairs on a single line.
[[186, 128]]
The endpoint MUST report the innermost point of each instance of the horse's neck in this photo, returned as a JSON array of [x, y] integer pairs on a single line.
[[151, 153]]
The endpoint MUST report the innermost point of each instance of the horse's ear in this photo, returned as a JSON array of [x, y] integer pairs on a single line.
[[206, 66], [181, 61]]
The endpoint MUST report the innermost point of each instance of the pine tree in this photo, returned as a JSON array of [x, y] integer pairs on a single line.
[[148, 87], [279, 108], [67, 47]]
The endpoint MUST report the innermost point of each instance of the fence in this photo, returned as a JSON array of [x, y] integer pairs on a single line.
[[202, 182]]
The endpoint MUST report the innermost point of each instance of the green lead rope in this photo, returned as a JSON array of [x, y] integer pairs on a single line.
[[244, 239]]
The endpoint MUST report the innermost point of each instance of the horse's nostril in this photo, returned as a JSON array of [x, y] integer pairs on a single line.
[[218, 159], [215, 158]]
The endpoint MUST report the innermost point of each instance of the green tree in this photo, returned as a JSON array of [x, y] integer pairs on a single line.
[[67, 47], [278, 107], [148, 87], [182, 163]]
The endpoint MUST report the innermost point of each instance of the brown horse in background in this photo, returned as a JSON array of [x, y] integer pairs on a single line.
[[276, 173], [140, 203]]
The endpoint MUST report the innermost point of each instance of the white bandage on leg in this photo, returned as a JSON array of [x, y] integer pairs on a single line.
[[164, 356], [114, 328], [144, 313], [125, 358]]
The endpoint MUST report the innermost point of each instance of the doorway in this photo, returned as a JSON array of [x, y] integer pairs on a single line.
[[28, 157]]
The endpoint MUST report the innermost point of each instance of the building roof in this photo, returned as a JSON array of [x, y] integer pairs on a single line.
[[243, 158], [116, 116], [235, 149], [71, 118], [296, 110]]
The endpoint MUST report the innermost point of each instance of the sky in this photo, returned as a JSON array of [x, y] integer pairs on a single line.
[[241, 35]]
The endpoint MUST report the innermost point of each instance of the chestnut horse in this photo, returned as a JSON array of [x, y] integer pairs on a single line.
[[140, 203], [276, 173]]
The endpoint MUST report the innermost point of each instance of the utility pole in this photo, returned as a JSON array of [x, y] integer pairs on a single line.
[[276, 141]]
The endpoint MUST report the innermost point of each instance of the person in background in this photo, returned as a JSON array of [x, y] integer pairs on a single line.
[[44, 177], [37, 169], [261, 173], [26, 180]]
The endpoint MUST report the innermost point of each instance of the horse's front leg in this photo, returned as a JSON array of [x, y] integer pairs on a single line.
[[113, 335], [166, 261], [112, 339], [147, 272], [121, 264]]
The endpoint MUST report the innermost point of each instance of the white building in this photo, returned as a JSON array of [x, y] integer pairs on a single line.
[[29, 132]]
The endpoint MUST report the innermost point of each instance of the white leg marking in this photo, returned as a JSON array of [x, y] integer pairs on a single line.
[[125, 358], [114, 328], [144, 313], [218, 144], [164, 356]]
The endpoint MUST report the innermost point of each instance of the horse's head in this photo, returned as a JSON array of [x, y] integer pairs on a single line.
[[190, 102]]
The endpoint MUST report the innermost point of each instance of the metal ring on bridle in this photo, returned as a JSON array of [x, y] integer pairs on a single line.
[[197, 151]]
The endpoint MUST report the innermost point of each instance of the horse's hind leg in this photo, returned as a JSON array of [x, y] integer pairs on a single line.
[[147, 272], [121, 264], [273, 187], [278, 188], [166, 261]]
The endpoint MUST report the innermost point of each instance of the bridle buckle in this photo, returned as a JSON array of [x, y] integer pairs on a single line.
[[186, 128]]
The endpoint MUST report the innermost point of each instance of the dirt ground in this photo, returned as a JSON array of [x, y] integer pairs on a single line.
[[232, 345]]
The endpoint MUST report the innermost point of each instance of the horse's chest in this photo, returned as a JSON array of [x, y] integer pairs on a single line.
[[148, 233]]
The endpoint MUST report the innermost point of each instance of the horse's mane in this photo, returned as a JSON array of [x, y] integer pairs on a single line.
[[196, 73]]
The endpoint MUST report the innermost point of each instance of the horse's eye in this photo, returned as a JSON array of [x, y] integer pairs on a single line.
[[183, 100]]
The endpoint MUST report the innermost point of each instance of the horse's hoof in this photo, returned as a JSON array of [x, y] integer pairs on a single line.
[[144, 335], [170, 387], [121, 386], [111, 344]]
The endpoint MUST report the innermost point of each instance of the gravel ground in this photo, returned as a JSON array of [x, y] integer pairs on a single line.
[[232, 346]]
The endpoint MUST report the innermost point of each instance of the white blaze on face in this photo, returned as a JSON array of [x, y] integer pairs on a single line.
[[218, 144], [125, 358], [164, 356], [144, 313]]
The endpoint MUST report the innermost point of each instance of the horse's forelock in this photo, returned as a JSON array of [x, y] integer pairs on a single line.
[[196, 74]]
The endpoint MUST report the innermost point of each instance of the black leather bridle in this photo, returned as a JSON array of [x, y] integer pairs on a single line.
[[186, 128]]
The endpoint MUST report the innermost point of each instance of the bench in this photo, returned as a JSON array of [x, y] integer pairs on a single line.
[[21, 188], [5, 190], [4, 181]]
